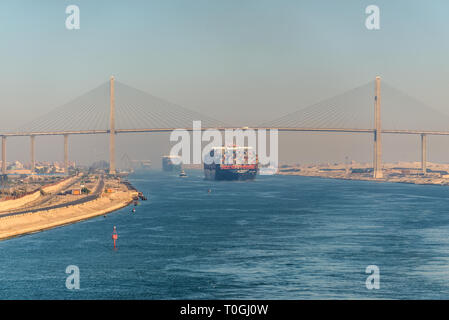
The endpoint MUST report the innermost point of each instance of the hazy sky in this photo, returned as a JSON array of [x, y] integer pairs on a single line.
[[251, 60]]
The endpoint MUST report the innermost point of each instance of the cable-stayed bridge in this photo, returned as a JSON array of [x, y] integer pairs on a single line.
[[116, 108]]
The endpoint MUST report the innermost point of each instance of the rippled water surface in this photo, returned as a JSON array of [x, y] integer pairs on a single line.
[[277, 237]]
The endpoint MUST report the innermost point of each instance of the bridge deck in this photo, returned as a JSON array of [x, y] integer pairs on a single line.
[[348, 130]]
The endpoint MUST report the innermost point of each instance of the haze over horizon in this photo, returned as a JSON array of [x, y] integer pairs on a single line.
[[237, 61]]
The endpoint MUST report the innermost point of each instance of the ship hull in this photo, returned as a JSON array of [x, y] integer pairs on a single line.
[[214, 172]]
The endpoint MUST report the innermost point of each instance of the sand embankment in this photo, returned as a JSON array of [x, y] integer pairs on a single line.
[[16, 225], [20, 202], [52, 188], [23, 201]]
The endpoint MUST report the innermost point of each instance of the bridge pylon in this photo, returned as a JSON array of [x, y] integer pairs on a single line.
[[377, 161], [112, 128], [66, 154], [3, 154], [424, 153], [32, 153]]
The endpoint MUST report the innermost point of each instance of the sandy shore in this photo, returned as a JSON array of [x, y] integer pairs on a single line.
[[36, 196], [402, 172], [17, 225]]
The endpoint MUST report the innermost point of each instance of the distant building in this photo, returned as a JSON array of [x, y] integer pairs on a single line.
[[19, 171]]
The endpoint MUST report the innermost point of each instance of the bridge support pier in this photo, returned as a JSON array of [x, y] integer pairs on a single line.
[[112, 129], [3, 155], [377, 161], [424, 153], [66, 154], [33, 159]]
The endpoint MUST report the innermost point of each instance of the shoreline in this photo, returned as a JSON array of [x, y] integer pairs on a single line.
[[383, 180], [62, 224], [408, 173], [36, 195], [28, 223]]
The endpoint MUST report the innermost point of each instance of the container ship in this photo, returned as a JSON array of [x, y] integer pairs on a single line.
[[231, 163], [169, 165]]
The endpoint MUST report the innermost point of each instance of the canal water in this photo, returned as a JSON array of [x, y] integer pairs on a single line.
[[279, 237]]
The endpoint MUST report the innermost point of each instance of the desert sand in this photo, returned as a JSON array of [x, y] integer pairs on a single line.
[[12, 226]]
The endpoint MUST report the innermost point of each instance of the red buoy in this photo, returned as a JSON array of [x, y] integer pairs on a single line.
[[114, 236]]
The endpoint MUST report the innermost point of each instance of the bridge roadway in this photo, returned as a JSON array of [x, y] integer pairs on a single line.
[[95, 195], [349, 130]]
